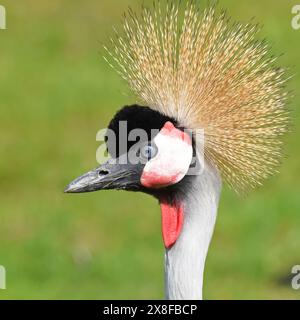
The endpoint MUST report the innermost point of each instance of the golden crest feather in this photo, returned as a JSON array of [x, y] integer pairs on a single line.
[[213, 75]]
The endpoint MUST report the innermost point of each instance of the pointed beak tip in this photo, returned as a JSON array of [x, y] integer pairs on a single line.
[[78, 185], [71, 188], [68, 189]]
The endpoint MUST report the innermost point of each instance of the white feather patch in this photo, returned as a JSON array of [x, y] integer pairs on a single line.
[[173, 158]]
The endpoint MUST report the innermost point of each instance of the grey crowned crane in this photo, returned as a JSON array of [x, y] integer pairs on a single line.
[[192, 70]]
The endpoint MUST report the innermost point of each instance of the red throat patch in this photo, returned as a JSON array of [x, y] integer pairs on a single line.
[[172, 222]]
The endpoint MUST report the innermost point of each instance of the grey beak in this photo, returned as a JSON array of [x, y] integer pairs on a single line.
[[84, 183], [108, 176]]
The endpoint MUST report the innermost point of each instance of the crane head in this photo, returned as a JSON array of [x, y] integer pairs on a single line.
[[159, 157], [194, 70], [157, 162]]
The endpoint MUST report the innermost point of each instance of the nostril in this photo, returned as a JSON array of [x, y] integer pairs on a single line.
[[103, 172]]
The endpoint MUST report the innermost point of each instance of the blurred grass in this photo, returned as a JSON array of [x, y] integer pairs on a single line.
[[55, 93]]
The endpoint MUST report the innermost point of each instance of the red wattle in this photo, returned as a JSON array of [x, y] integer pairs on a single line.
[[172, 222]]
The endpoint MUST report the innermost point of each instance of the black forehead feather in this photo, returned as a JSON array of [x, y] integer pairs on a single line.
[[137, 117]]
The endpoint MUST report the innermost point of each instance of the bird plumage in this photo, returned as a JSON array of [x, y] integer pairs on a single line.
[[208, 73]]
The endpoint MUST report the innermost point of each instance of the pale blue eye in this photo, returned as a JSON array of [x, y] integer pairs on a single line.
[[148, 152]]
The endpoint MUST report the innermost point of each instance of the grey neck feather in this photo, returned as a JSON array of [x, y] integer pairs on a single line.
[[184, 262]]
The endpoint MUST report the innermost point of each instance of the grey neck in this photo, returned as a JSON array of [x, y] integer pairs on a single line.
[[185, 260]]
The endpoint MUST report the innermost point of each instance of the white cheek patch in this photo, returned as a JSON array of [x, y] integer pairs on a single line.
[[173, 158]]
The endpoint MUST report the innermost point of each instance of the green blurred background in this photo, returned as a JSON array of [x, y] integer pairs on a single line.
[[56, 92]]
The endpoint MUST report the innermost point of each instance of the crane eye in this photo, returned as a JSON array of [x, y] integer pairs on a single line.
[[148, 152]]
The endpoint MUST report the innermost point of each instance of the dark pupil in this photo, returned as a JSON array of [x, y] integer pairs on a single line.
[[147, 152]]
